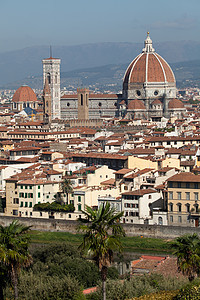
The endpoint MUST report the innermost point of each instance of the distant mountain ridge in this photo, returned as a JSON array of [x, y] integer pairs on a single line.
[[27, 62], [110, 77]]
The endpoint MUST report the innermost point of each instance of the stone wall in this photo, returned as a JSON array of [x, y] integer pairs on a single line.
[[85, 123], [155, 231]]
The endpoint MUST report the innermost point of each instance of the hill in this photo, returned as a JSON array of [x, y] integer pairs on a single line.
[[27, 62], [110, 77]]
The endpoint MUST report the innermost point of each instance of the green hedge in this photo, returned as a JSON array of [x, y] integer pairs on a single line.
[[54, 206]]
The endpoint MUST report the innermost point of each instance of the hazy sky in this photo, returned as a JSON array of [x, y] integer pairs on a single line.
[[25, 23]]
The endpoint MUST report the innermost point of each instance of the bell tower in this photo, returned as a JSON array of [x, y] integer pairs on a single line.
[[51, 72], [46, 102], [83, 103]]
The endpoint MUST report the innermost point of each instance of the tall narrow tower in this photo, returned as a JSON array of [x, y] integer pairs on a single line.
[[51, 72], [46, 102], [83, 104]]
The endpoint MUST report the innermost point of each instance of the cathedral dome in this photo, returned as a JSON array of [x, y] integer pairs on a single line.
[[136, 104], [148, 67], [175, 103], [24, 94], [149, 76]]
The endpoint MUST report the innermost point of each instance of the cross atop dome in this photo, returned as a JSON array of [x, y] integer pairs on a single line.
[[148, 45]]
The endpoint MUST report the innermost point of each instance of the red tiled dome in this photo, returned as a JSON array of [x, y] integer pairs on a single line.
[[24, 94], [149, 67], [175, 103], [136, 104]]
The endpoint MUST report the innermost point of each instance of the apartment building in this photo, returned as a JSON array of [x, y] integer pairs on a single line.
[[22, 195], [138, 207], [184, 199]]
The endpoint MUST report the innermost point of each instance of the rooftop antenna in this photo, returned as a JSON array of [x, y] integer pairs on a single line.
[[50, 52]]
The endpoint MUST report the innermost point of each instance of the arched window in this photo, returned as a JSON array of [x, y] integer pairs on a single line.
[[160, 221], [81, 99], [170, 206], [56, 78], [49, 78]]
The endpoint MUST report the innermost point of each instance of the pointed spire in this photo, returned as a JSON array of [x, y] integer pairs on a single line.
[[148, 45], [50, 52]]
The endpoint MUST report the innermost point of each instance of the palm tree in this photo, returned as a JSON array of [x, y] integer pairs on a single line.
[[4, 279], [187, 250], [66, 187], [58, 198], [14, 252], [102, 235]]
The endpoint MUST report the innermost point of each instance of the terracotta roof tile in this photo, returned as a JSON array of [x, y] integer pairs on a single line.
[[185, 177], [140, 192], [24, 94]]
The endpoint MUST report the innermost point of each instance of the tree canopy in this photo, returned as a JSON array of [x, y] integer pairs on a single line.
[[14, 252], [187, 250], [102, 236]]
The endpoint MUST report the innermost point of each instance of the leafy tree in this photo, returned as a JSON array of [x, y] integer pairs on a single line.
[[66, 187], [63, 260], [102, 235], [4, 279], [39, 286], [54, 206], [190, 291], [139, 286], [187, 250], [14, 252]]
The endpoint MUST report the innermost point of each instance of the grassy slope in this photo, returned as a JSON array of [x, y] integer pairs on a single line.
[[130, 244]]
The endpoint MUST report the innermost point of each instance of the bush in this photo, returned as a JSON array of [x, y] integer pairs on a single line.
[[32, 286], [138, 286], [158, 296], [190, 291], [54, 206], [62, 259]]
